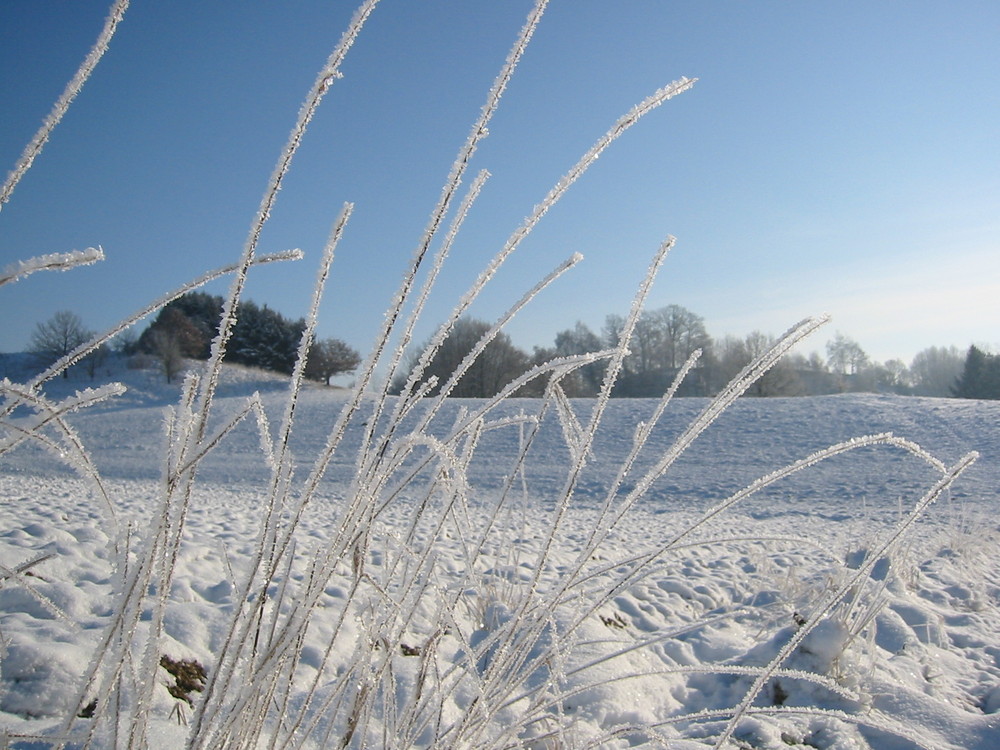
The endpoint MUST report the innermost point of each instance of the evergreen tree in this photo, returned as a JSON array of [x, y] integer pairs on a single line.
[[980, 377], [263, 337], [192, 319]]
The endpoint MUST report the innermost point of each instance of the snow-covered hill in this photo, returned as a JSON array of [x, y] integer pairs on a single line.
[[910, 657]]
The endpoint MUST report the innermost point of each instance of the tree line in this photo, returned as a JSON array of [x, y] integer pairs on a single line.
[[665, 338], [184, 329], [662, 342]]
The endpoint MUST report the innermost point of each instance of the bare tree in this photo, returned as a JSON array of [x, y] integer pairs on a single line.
[[169, 352], [893, 375], [682, 333], [587, 380], [125, 342], [935, 370], [845, 355], [57, 337], [93, 361], [733, 354], [661, 342], [498, 364]]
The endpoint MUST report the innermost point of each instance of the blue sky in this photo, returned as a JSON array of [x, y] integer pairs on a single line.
[[833, 157]]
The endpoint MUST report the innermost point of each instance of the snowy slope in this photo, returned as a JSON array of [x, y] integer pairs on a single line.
[[915, 648]]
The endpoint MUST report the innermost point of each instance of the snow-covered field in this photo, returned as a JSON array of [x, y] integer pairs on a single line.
[[908, 657], [228, 567]]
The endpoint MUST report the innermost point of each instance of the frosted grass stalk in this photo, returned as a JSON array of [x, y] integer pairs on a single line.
[[712, 669], [883, 723], [602, 527], [27, 565], [51, 262], [572, 430], [393, 596], [618, 358], [48, 412], [638, 560], [640, 565], [310, 693], [113, 653], [71, 449], [557, 367], [281, 467], [621, 125], [478, 132], [492, 333], [810, 460], [537, 711], [459, 431], [421, 302], [553, 196], [458, 169], [264, 643], [254, 406], [838, 595], [477, 547], [177, 494], [643, 431], [423, 567], [329, 73], [277, 548], [279, 462], [737, 387], [304, 604], [472, 580], [59, 109], [562, 502], [628, 579], [16, 574], [308, 334]]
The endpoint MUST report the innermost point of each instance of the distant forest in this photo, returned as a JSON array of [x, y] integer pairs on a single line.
[[665, 338], [663, 341]]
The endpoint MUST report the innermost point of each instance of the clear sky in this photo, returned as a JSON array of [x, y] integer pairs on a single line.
[[833, 157]]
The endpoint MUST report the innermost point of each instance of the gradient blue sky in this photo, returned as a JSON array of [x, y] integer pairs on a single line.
[[833, 157]]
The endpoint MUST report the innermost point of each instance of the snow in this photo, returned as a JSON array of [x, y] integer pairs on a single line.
[[910, 657]]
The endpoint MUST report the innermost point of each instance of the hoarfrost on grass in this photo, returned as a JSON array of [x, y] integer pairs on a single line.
[[414, 572]]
